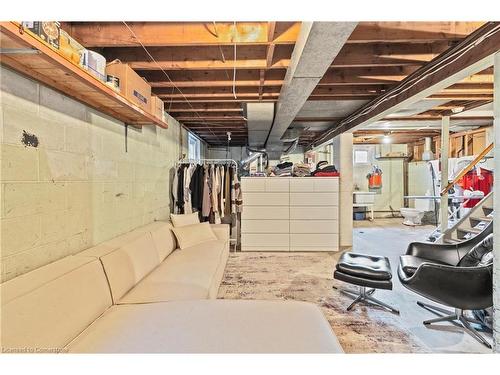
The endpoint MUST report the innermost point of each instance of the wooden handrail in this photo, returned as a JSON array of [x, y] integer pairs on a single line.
[[469, 167]]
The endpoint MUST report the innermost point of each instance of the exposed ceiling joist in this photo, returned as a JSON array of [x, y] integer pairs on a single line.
[[115, 34]]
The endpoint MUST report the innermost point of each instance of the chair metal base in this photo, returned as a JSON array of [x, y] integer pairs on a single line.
[[365, 295], [457, 318]]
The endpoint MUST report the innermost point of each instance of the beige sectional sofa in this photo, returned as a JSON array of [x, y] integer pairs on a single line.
[[137, 293]]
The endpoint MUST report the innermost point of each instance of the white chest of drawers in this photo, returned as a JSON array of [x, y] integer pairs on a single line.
[[290, 214]]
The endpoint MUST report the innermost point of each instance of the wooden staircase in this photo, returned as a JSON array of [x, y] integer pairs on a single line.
[[472, 224]]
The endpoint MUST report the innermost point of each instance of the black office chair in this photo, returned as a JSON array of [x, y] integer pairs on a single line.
[[451, 275]]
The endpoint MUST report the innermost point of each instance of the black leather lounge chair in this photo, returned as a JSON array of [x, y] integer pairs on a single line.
[[458, 275]]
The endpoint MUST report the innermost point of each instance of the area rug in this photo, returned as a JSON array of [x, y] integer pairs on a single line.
[[308, 277]]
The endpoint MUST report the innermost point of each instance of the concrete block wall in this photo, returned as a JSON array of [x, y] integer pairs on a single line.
[[79, 185]]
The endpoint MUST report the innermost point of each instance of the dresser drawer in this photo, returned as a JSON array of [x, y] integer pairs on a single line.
[[264, 212], [265, 240], [266, 199], [301, 184], [277, 184], [253, 184], [263, 184], [326, 185], [314, 199], [314, 213], [265, 226], [314, 241], [314, 226]]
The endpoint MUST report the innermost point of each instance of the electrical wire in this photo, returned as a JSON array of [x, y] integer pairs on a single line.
[[234, 65], [170, 80], [448, 58]]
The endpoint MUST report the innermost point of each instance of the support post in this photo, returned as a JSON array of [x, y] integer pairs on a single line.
[[445, 145], [342, 159], [496, 206]]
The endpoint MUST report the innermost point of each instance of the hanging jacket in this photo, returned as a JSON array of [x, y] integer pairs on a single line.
[[207, 197]]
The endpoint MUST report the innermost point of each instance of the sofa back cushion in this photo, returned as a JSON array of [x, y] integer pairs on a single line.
[[45, 309], [163, 238], [191, 235], [127, 265], [181, 220]]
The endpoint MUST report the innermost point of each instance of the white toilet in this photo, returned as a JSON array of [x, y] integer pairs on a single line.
[[413, 216]]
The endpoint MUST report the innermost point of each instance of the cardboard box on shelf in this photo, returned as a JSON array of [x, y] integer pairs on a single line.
[[94, 63], [157, 107], [49, 32], [70, 48], [133, 87]]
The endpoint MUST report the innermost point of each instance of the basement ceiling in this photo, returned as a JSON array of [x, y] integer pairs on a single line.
[[208, 84]]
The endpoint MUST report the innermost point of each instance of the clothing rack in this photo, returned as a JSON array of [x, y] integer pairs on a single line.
[[231, 162], [208, 161]]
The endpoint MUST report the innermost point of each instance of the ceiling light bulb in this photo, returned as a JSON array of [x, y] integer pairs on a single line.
[[457, 109], [386, 139]]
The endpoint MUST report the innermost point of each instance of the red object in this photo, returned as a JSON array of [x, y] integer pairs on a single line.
[[375, 181], [473, 181], [326, 174]]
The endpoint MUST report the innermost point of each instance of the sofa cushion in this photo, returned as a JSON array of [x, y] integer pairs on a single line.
[[163, 238], [46, 308], [181, 220], [196, 265], [193, 273], [190, 235], [151, 292], [210, 326], [126, 266]]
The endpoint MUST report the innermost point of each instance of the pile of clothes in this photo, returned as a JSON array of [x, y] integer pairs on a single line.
[[283, 169], [301, 170], [325, 170], [211, 189]]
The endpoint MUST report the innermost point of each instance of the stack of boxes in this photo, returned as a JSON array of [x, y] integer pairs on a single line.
[[119, 76]]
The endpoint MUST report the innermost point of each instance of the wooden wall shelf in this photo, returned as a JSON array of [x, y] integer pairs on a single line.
[[25, 53]]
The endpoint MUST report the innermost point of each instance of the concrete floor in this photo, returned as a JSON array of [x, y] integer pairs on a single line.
[[390, 238]]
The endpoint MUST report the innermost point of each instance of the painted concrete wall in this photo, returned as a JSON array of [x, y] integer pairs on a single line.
[[79, 186]]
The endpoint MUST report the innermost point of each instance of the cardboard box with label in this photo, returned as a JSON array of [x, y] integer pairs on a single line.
[[133, 87], [157, 107], [49, 32]]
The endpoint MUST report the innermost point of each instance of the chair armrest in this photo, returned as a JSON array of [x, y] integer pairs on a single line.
[[466, 288], [446, 253], [221, 231]]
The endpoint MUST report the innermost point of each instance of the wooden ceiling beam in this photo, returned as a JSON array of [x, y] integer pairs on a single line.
[[437, 118], [116, 34], [411, 32], [256, 57]]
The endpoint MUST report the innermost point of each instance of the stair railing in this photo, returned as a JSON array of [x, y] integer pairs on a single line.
[[467, 169]]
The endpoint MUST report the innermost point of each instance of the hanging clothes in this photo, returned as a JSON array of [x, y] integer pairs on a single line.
[[180, 189], [188, 208], [222, 177], [173, 191], [213, 190], [207, 187], [477, 179], [227, 191], [216, 194], [237, 203], [196, 188]]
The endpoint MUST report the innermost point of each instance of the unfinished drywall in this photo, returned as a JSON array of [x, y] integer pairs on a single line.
[[70, 177]]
